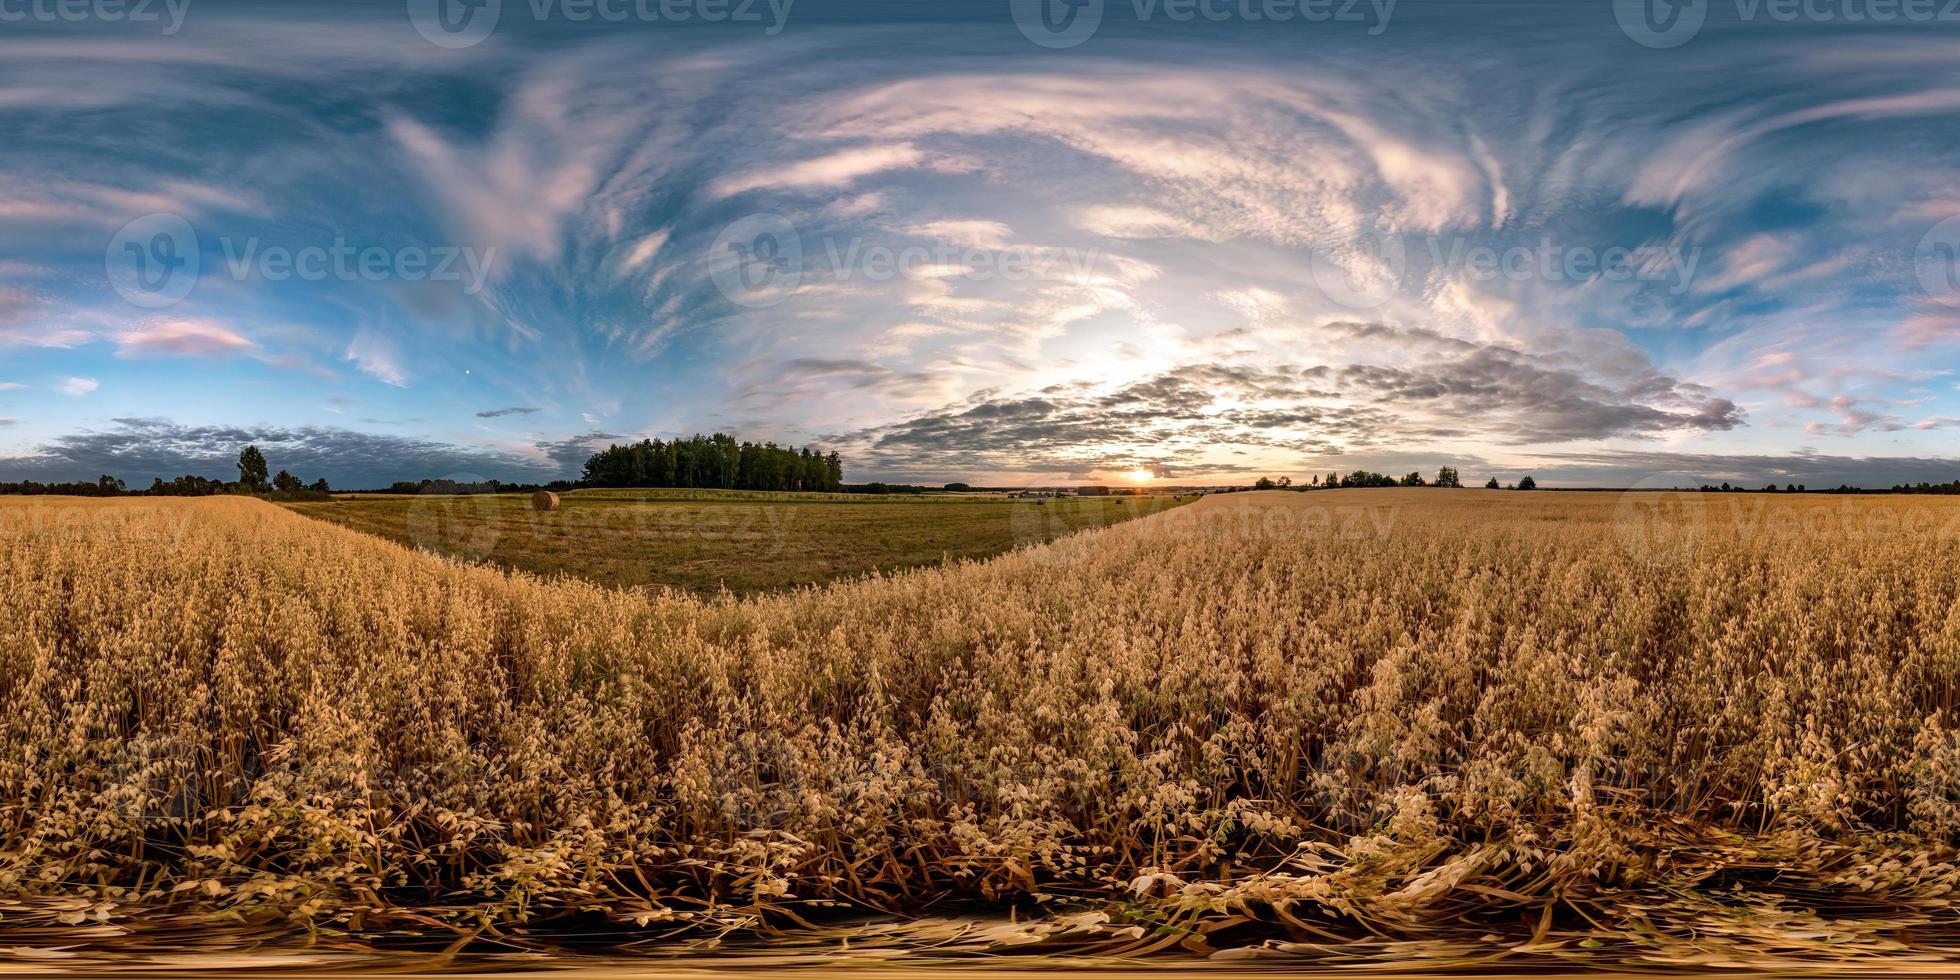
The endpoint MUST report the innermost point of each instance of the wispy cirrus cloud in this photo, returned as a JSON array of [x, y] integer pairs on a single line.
[[181, 337], [829, 172]]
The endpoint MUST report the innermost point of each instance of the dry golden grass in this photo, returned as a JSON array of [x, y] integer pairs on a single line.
[[1376, 724]]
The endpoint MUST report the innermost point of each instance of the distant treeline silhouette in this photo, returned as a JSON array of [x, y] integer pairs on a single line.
[[1446, 477], [459, 488], [716, 462], [252, 479]]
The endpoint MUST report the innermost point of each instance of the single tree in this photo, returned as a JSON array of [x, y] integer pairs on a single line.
[[1263, 483], [251, 469], [1446, 477], [1527, 484], [285, 482], [1492, 485], [1285, 481], [320, 486]]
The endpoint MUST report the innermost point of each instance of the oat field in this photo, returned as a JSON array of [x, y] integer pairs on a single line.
[[1378, 725]]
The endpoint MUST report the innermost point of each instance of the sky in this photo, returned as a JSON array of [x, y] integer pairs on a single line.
[[998, 241]]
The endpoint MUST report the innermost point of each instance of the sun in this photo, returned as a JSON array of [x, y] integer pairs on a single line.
[[1139, 476]]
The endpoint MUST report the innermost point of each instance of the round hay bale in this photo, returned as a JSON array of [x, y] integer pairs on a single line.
[[544, 500]]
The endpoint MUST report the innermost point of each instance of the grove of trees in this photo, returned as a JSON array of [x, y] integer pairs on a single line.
[[716, 462]]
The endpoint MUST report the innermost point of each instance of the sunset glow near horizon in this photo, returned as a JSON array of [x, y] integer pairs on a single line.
[[951, 242]]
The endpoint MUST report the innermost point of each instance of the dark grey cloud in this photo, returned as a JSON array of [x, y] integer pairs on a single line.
[[1522, 398], [1522, 403], [138, 449], [1437, 389], [1171, 415], [1807, 466], [569, 455], [497, 413]]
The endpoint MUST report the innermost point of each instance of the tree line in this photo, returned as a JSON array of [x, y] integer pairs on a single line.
[[1446, 477], [719, 462], [466, 488], [716, 462], [252, 479]]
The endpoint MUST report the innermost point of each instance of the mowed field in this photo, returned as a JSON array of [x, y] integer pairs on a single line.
[[707, 540], [1478, 729]]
